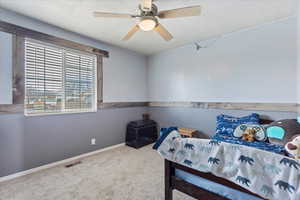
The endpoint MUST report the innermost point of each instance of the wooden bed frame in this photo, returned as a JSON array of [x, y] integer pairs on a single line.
[[174, 183]]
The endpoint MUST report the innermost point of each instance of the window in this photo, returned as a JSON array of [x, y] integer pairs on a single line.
[[59, 80]]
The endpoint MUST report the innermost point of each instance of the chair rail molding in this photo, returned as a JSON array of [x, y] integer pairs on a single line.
[[281, 107], [275, 107]]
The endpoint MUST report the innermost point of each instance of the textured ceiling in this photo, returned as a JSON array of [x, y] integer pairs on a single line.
[[218, 17]]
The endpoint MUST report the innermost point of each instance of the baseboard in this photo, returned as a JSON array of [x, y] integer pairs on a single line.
[[58, 163]]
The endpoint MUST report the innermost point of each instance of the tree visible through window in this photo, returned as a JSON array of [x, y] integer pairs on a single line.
[[58, 80]]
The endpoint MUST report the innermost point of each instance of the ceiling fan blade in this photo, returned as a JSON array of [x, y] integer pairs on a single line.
[[131, 32], [180, 12], [112, 15], [163, 32], [147, 5]]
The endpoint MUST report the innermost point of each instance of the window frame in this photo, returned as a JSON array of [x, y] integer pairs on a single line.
[[19, 75], [94, 108]]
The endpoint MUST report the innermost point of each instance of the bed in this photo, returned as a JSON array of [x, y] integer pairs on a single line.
[[206, 185]]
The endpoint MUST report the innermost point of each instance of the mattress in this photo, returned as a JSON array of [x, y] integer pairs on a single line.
[[214, 187]]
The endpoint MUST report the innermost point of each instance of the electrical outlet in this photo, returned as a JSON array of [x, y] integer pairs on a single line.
[[93, 141]]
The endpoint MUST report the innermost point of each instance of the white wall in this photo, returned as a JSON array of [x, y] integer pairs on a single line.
[[298, 56], [5, 68], [255, 65], [124, 71], [125, 75]]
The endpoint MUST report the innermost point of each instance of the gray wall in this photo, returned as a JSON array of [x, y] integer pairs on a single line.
[[28, 142], [204, 120]]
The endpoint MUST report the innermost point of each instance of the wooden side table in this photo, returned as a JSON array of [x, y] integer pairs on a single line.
[[187, 132]]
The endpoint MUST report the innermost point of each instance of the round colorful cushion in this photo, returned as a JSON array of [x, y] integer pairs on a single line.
[[260, 133]]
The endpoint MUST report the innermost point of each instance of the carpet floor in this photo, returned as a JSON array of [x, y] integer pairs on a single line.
[[123, 173]]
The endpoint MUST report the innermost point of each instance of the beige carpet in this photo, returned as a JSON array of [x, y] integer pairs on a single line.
[[120, 174]]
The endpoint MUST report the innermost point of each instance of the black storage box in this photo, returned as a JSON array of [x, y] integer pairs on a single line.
[[141, 133]]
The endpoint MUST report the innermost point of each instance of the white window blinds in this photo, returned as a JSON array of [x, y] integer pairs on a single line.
[[58, 80]]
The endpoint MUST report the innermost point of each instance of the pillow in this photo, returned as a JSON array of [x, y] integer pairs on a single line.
[[280, 132], [227, 124], [260, 133]]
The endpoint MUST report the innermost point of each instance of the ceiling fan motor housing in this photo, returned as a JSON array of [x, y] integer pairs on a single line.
[[147, 12]]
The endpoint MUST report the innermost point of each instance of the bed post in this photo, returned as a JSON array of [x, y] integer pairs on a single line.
[[169, 172]]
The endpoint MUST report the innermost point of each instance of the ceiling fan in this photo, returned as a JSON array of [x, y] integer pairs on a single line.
[[149, 15]]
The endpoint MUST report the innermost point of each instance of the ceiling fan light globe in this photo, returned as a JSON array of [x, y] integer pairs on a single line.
[[147, 24]]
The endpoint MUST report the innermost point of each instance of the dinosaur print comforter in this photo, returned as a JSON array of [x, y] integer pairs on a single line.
[[267, 174]]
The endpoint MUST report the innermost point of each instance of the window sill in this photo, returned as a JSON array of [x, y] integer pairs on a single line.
[[57, 113]]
